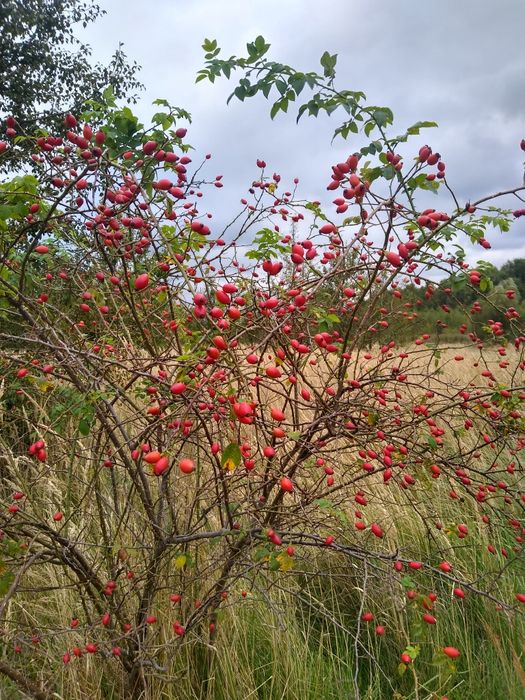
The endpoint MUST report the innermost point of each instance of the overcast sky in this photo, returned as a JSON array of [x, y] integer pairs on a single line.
[[458, 62]]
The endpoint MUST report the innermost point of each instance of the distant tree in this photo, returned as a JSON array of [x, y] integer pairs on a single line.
[[515, 269], [503, 288]]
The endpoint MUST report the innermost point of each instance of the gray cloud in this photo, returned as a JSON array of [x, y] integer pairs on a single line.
[[458, 63]]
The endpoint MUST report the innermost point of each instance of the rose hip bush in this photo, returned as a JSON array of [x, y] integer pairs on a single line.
[[191, 415]]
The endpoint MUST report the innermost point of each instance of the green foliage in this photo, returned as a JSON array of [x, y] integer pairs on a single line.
[[328, 63], [267, 244], [231, 456], [53, 73], [124, 131], [15, 196], [271, 78], [267, 77], [8, 550]]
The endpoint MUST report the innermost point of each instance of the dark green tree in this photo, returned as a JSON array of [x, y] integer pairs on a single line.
[[45, 69]]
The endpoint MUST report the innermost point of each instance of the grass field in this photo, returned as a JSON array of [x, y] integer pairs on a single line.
[[297, 634]]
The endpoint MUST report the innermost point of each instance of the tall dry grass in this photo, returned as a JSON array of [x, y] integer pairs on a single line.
[[295, 634]]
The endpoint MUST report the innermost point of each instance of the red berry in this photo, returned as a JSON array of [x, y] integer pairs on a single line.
[[424, 153], [377, 530], [149, 147], [429, 619], [152, 457], [142, 281], [451, 652], [178, 388], [186, 466], [161, 466], [394, 259], [70, 121], [277, 414], [328, 228], [286, 484]]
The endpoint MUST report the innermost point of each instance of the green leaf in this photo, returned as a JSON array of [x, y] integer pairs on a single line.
[[415, 128], [297, 84], [413, 651], [485, 284], [209, 46], [274, 564], [275, 108], [369, 127], [240, 93], [323, 503], [261, 553], [109, 96], [162, 118], [407, 582], [281, 86], [265, 88], [231, 457], [6, 579], [432, 442], [328, 62], [261, 45], [381, 117], [84, 426]]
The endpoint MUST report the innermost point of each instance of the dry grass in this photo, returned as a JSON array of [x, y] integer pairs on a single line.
[[295, 635]]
